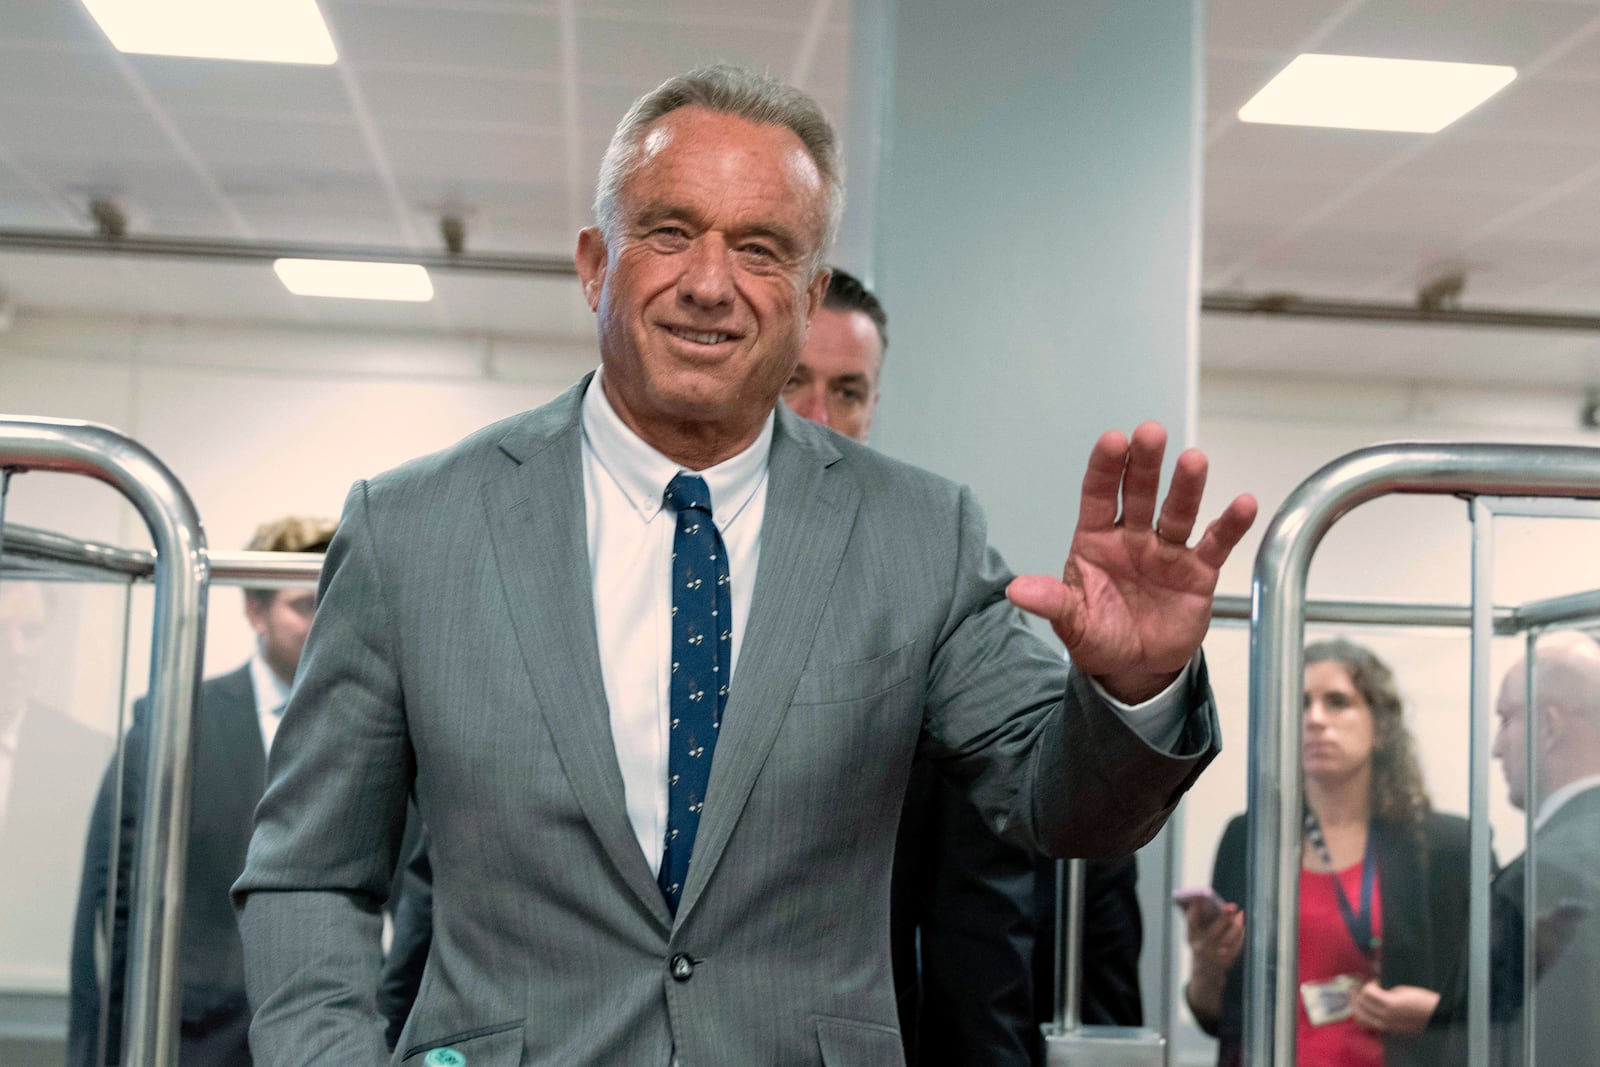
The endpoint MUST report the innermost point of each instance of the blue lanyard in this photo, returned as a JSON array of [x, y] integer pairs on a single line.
[[1358, 923]]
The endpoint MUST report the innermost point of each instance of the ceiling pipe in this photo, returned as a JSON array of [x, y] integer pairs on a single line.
[[1290, 305], [1277, 305], [74, 244]]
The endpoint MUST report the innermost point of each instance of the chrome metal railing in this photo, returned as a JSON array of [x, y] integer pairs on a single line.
[[1280, 610], [181, 572]]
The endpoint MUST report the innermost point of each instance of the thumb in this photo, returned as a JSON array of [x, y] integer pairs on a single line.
[[1041, 595]]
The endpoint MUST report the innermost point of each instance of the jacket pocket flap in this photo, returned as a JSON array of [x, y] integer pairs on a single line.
[[847, 1043], [487, 1046]]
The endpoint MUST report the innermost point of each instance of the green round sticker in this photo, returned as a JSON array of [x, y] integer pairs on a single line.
[[444, 1057]]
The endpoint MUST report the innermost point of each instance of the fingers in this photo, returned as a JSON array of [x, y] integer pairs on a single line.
[[1102, 482], [1182, 504], [1142, 479], [1225, 533]]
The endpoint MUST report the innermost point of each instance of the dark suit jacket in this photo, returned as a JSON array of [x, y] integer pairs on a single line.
[[229, 769], [1113, 934], [1424, 931], [1567, 988], [972, 923], [454, 655], [52, 791]]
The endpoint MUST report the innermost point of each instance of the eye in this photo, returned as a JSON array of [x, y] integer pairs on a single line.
[[758, 250]]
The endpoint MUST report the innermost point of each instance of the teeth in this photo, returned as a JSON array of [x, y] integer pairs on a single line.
[[701, 338]]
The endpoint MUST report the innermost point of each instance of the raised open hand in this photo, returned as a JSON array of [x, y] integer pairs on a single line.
[[1134, 599]]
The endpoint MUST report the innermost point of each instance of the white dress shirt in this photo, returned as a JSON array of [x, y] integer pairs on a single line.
[[1555, 801], [630, 560], [272, 696], [630, 534]]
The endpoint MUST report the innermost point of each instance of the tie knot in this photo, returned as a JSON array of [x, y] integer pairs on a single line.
[[688, 492]]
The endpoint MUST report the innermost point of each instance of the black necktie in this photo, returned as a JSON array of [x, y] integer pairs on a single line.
[[702, 630]]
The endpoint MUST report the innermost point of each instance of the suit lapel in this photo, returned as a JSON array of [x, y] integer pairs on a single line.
[[237, 722], [811, 509], [536, 524]]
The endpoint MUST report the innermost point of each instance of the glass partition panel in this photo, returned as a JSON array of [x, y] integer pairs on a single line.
[[62, 648]]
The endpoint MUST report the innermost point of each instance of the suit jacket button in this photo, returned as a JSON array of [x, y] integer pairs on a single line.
[[682, 968]]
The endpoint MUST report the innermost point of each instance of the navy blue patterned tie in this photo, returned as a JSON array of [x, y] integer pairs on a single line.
[[702, 631]]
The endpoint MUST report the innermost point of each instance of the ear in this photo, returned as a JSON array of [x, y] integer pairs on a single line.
[[256, 614], [1554, 726], [815, 291], [591, 260]]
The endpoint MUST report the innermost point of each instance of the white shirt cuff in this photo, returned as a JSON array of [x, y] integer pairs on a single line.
[[1160, 719]]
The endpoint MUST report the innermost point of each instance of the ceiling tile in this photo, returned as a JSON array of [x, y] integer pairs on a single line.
[[443, 155], [1269, 27], [1465, 31], [188, 85], [1306, 150], [228, 142], [108, 132], [417, 100], [644, 54], [54, 74], [1261, 197], [1486, 159], [1582, 63], [463, 40], [53, 22], [1542, 107]]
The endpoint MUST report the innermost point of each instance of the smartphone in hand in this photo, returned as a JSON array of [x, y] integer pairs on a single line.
[[1203, 903]]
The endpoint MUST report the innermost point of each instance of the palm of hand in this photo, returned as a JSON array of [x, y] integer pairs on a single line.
[[1140, 600]]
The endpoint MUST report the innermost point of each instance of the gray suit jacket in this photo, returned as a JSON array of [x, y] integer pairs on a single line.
[[455, 656]]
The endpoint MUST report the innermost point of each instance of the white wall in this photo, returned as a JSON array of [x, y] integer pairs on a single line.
[[256, 423]]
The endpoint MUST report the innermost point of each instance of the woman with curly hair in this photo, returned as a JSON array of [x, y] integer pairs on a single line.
[[1383, 888]]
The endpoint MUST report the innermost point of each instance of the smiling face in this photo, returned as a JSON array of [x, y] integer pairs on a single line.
[[1339, 730], [706, 287]]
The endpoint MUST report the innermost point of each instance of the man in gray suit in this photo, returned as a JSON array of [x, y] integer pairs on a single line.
[[500, 628], [1566, 865]]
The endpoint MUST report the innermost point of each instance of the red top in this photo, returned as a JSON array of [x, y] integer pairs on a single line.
[[1327, 950]]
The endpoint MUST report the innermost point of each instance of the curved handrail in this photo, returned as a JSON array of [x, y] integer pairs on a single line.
[[1277, 662], [182, 572]]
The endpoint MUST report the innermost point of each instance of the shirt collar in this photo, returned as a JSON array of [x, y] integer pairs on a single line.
[[271, 692], [642, 473], [1554, 801]]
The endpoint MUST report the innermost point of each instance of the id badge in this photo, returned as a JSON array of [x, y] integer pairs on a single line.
[[1331, 1001]]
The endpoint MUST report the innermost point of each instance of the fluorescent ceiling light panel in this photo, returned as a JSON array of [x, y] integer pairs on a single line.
[[1363, 93], [268, 31], [355, 280]]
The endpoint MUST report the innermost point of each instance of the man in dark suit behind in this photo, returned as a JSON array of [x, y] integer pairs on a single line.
[[1566, 850], [235, 720], [972, 973]]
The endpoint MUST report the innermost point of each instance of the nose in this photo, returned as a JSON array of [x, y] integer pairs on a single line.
[[810, 402], [707, 279], [1314, 713]]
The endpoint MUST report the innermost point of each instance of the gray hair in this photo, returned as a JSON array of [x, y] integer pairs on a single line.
[[729, 90]]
